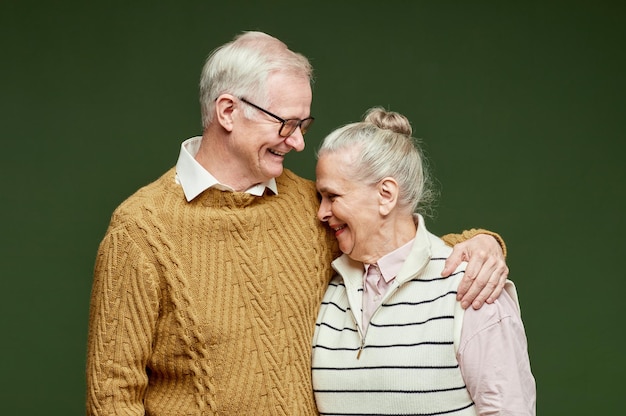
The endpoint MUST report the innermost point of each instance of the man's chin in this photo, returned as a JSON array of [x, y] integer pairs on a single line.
[[275, 171]]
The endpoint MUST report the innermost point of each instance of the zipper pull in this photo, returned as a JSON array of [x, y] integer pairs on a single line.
[[358, 355]]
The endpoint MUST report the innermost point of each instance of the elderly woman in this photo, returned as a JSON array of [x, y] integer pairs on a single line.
[[391, 338]]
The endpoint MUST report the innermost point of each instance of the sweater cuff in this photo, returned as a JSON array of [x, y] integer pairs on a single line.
[[454, 239]]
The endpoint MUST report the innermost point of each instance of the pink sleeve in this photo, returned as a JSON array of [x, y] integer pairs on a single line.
[[493, 357]]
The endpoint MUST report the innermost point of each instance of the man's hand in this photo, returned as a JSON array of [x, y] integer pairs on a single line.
[[486, 270]]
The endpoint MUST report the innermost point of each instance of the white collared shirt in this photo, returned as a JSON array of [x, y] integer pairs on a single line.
[[195, 179]]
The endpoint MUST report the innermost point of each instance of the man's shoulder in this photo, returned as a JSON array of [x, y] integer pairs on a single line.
[[289, 175], [148, 195], [288, 181]]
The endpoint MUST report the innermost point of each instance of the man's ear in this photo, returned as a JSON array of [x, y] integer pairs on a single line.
[[224, 108], [387, 195]]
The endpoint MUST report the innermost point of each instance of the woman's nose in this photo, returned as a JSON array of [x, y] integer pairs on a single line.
[[323, 213]]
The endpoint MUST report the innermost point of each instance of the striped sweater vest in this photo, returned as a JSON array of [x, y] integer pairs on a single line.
[[208, 307], [406, 362]]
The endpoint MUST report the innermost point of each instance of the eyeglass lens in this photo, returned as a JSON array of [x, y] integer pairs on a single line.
[[289, 126]]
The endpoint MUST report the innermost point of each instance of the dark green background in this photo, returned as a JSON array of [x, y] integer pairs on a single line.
[[520, 105]]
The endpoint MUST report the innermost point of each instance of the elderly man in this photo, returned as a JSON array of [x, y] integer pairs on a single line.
[[208, 280]]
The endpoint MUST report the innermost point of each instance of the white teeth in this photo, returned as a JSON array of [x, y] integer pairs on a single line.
[[341, 227], [277, 153]]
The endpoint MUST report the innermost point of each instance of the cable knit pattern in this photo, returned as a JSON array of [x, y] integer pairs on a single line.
[[204, 307]]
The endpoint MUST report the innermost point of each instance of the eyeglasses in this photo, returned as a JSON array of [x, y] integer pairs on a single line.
[[288, 126]]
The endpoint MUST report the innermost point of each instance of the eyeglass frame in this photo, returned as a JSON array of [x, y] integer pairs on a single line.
[[284, 121]]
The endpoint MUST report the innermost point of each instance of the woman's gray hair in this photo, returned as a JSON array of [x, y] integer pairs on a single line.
[[384, 147], [242, 67]]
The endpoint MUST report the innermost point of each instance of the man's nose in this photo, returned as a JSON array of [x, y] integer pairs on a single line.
[[296, 140]]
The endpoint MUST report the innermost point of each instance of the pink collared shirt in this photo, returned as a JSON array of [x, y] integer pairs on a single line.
[[389, 265], [492, 352]]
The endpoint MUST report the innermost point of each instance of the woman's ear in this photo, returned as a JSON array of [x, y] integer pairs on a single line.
[[387, 195], [224, 107]]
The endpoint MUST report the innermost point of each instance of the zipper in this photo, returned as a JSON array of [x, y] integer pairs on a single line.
[[358, 328], [387, 296], [358, 355]]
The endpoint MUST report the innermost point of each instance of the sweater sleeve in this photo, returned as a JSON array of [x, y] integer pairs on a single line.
[[123, 313], [453, 239]]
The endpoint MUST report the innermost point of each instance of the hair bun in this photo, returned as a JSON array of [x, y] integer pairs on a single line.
[[388, 120]]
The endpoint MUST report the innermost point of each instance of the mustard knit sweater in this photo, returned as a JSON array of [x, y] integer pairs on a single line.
[[208, 307]]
